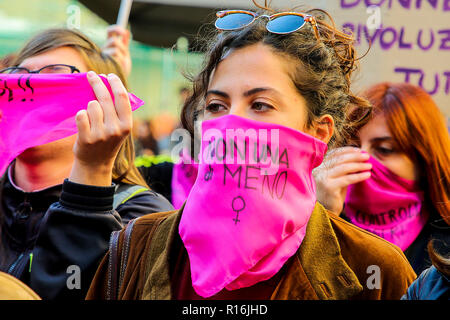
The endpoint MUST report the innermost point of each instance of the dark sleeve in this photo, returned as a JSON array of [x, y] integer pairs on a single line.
[[75, 233], [159, 178], [73, 238]]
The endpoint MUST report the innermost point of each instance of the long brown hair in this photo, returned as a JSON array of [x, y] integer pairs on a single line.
[[322, 72], [124, 169], [441, 262], [419, 128]]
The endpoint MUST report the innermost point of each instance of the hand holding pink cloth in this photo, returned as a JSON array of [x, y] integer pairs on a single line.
[[36, 109]]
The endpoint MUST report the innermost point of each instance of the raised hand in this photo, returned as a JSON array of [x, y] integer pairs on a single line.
[[117, 46], [102, 128], [340, 168]]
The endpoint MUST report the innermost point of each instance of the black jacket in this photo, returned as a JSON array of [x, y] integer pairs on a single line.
[[435, 229], [159, 177], [67, 229], [430, 285]]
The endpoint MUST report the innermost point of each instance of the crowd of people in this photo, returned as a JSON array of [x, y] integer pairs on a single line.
[[356, 209]]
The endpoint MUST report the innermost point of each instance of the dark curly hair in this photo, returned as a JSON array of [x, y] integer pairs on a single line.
[[322, 75]]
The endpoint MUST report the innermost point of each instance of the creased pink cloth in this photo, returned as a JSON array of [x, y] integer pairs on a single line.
[[183, 178], [36, 109], [242, 222], [387, 205]]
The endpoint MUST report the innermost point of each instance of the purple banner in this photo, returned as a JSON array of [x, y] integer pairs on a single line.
[[400, 37], [443, 5]]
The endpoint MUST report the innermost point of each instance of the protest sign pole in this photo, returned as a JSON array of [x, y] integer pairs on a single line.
[[124, 13]]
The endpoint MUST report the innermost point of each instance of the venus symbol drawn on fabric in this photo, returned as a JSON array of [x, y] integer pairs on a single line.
[[238, 204]]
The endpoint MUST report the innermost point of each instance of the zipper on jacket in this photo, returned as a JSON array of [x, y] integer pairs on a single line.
[[14, 264], [19, 267]]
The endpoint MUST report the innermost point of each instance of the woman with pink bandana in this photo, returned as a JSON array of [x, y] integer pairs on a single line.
[[394, 180], [67, 185], [272, 96]]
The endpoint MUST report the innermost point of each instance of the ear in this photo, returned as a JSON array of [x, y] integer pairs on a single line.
[[323, 128]]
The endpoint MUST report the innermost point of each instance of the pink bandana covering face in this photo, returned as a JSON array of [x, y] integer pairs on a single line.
[[386, 205], [36, 109], [247, 212]]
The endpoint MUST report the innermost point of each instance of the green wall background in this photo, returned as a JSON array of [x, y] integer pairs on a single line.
[[157, 73]]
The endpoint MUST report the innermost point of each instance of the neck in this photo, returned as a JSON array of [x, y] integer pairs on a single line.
[[31, 175]]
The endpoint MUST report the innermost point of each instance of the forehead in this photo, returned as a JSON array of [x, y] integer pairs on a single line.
[[62, 55], [252, 66], [375, 128]]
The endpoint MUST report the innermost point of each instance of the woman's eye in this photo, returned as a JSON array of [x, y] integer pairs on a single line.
[[384, 151], [214, 107], [260, 106]]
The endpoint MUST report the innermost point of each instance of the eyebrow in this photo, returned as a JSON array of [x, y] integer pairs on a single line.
[[245, 94], [381, 139], [217, 93], [256, 90]]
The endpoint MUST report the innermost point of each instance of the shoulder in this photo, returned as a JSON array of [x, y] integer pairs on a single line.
[[154, 218], [136, 201], [364, 240], [158, 175], [367, 253], [430, 285], [145, 226], [155, 167]]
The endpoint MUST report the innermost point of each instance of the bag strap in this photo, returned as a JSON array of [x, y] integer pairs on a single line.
[[116, 271], [111, 293], [125, 192]]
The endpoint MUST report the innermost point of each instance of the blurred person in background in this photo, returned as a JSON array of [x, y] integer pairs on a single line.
[[394, 179], [61, 201], [163, 125], [145, 142], [118, 47]]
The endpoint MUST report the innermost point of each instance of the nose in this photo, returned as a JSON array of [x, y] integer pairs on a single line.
[[365, 147], [238, 109]]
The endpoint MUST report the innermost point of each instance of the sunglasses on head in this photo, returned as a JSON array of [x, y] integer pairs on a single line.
[[279, 23]]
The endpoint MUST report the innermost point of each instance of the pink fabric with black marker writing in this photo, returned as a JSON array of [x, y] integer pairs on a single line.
[[239, 224], [36, 109], [387, 205]]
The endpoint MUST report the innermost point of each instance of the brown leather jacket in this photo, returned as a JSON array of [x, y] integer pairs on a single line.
[[336, 260]]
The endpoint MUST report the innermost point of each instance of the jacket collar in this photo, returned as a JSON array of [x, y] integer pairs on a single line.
[[317, 271]]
